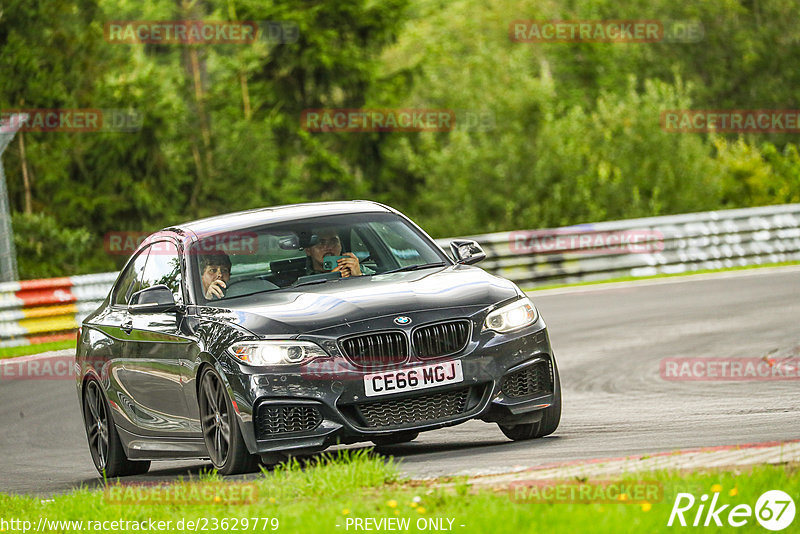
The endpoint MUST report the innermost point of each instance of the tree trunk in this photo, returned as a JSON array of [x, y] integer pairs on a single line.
[[26, 181], [194, 10]]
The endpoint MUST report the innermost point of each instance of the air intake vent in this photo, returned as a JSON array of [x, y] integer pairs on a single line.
[[376, 351], [442, 339], [536, 379], [412, 410], [272, 420]]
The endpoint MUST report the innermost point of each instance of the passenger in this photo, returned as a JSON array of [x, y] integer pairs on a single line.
[[216, 271], [329, 244]]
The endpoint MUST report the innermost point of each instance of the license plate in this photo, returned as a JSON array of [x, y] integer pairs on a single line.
[[424, 377]]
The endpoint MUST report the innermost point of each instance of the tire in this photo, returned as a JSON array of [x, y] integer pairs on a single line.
[[394, 439], [221, 432], [101, 432], [547, 424]]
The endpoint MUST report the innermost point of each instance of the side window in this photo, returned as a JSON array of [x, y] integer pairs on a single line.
[[133, 273], [163, 267]]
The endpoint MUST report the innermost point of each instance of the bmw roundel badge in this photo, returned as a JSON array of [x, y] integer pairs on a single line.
[[402, 319]]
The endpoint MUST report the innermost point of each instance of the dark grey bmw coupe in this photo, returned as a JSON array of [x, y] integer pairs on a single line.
[[246, 337]]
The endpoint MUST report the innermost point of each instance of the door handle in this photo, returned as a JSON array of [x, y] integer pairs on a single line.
[[127, 326]]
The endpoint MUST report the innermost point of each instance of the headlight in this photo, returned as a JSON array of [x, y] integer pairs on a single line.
[[511, 317], [275, 352]]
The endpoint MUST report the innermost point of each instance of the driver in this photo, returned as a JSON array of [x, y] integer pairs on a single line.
[[216, 271], [329, 244]]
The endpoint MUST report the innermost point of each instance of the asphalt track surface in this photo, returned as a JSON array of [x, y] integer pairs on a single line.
[[609, 341]]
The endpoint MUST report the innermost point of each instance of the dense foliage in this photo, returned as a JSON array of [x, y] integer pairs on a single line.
[[574, 136]]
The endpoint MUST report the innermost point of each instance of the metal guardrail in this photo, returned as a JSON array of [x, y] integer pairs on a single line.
[[37, 311], [656, 245]]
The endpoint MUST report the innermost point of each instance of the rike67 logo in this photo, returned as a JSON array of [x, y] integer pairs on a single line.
[[774, 510]]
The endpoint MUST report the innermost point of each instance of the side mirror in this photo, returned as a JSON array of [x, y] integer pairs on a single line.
[[154, 299], [466, 251]]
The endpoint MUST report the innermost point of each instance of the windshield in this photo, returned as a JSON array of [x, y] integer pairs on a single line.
[[246, 261]]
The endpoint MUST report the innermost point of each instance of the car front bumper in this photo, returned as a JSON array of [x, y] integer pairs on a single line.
[[508, 379]]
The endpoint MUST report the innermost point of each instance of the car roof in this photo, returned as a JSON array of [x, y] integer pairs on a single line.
[[276, 214]]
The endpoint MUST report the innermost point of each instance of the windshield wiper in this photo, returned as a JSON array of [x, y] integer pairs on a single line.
[[315, 281], [319, 278], [416, 267], [310, 282]]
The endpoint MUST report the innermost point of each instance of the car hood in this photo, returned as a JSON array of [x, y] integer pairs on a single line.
[[316, 307]]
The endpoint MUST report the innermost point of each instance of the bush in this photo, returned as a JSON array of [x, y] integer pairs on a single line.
[[46, 249]]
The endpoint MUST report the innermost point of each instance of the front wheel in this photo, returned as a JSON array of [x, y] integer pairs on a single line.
[[104, 443], [221, 432], [547, 424]]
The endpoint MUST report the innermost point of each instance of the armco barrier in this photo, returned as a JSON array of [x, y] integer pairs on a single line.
[[674, 244], [36, 311]]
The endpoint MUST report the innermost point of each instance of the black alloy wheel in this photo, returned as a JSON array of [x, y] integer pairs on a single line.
[[226, 447], [104, 443]]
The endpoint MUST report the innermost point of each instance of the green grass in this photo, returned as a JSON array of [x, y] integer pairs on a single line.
[[321, 495], [24, 350], [671, 275]]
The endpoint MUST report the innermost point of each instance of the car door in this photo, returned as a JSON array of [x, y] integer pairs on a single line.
[[156, 349], [109, 356]]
